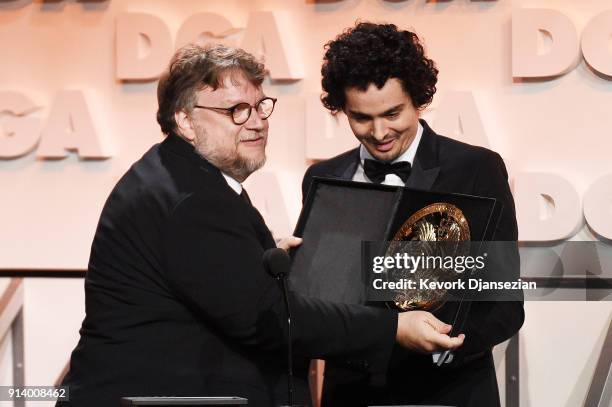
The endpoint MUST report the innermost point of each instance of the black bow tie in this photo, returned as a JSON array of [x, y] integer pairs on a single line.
[[376, 170]]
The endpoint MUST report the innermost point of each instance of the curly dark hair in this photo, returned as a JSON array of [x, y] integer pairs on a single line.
[[373, 53]]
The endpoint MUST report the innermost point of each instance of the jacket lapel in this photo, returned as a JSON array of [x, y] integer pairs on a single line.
[[425, 168], [346, 169], [183, 148]]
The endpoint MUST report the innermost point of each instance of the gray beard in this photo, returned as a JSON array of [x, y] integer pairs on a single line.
[[235, 166]]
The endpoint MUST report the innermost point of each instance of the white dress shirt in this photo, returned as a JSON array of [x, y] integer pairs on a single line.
[[235, 185]]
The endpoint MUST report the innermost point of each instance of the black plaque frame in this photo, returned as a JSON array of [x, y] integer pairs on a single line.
[[338, 215]]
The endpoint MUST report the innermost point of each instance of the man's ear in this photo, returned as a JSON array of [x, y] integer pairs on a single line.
[[185, 126]]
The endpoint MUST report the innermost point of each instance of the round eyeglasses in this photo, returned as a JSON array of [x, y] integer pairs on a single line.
[[241, 112]]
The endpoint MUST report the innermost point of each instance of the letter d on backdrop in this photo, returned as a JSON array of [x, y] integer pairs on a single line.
[[547, 207], [532, 60], [143, 46]]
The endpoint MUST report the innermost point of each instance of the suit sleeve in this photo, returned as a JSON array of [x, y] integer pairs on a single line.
[[492, 322], [213, 263]]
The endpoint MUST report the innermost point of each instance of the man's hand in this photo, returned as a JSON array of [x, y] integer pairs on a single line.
[[422, 332], [287, 243]]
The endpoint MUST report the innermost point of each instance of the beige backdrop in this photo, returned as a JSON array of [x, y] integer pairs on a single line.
[[553, 131]]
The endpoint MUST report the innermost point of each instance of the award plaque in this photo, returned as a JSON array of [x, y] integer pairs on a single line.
[[339, 215]]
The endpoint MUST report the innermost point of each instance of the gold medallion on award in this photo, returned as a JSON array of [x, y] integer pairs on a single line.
[[430, 236]]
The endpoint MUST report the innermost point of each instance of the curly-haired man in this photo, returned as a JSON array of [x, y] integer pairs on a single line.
[[381, 79]]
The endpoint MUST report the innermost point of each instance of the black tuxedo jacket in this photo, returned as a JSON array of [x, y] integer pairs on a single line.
[[444, 165], [179, 304]]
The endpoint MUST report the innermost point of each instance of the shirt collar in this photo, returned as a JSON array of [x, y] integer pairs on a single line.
[[233, 184], [407, 155]]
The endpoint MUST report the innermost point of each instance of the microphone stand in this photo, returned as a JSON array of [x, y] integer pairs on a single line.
[[277, 263], [282, 279]]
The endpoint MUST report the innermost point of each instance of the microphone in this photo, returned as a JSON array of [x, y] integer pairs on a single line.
[[277, 263]]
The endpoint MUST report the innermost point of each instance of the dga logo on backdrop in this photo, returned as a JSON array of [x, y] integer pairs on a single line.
[[544, 45], [144, 46], [69, 127]]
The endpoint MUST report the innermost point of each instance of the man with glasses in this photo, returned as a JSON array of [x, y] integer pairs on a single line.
[[177, 300]]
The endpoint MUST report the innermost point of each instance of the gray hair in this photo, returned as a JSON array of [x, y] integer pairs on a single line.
[[193, 68]]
